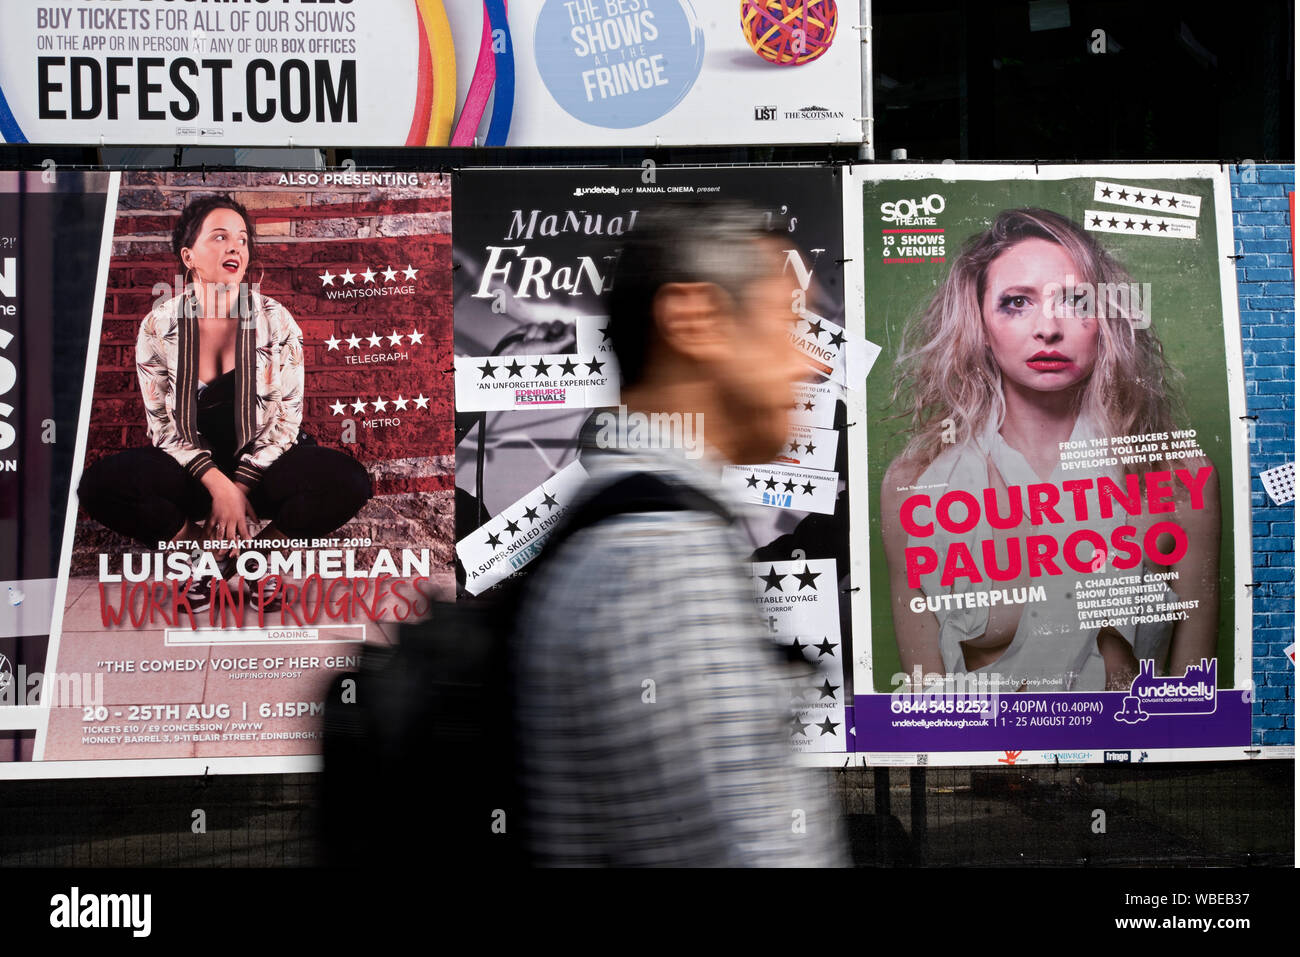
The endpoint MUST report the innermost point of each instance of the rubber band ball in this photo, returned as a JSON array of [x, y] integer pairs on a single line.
[[789, 32]]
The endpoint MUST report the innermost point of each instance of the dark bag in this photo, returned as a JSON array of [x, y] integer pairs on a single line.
[[420, 757]]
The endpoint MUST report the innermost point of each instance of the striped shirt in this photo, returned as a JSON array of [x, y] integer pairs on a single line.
[[653, 710]]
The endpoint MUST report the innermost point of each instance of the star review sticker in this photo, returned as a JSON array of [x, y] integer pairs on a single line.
[[332, 343], [807, 578]]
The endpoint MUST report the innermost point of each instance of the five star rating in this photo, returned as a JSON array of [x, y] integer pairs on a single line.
[[1146, 197], [539, 369], [368, 277], [380, 404], [1145, 200], [375, 341]]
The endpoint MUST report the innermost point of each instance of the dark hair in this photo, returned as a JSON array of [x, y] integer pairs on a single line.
[[681, 242], [186, 231]]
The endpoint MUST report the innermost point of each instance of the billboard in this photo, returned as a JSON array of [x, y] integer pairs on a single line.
[[262, 480], [534, 250], [1021, 536], [1056, 483], [421, 73], [50, 232]]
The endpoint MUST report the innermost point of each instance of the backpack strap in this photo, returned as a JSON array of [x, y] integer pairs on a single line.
[[640, 492]]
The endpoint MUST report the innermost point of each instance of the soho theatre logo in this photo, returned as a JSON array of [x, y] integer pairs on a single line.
[[913, 212]]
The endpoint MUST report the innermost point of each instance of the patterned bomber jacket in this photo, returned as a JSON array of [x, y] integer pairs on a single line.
[[268, 385]]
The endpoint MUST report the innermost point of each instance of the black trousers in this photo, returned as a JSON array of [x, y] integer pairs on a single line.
[[144, 494]]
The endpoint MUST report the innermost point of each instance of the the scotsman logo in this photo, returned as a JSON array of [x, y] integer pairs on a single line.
[[814, 113]]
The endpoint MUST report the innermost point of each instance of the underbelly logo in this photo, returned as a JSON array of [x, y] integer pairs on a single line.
[[6, 673], [618, 64], [1192, 693]]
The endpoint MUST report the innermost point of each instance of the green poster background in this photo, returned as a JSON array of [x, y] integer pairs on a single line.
[[1187, 317]]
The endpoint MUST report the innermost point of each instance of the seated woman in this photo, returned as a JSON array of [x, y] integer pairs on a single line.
[[221, 374], [1028, 344]]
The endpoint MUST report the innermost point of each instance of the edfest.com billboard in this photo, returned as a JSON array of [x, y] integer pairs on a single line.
[[424, 73], [1117, 576]]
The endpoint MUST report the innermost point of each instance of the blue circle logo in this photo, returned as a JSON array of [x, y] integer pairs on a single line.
[[618, 63]]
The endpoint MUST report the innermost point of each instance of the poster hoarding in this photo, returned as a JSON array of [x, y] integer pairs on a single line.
[[1058, 493], [365, 265]]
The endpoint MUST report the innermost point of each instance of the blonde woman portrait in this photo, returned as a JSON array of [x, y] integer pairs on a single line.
[[1031, 344]]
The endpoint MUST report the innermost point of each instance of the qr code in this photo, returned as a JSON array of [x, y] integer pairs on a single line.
[[1280, 483]]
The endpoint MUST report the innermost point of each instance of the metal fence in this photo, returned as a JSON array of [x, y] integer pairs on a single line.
[[1193, 815]]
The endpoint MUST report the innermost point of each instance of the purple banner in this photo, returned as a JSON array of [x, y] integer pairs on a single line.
[[1055, 722]]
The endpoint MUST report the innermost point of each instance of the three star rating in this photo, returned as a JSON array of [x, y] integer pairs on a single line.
[[349, 277]]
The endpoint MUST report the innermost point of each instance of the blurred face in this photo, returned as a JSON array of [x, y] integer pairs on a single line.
[[220, 251], [1038, 341], [756, 382]]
